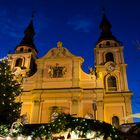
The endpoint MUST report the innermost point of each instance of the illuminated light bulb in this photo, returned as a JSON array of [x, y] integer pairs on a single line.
[[109, 138], [20, 137], [101, 121], [85, 123], [8, 138], [29, 138], [90, 134], [74, 135], [43, 126]]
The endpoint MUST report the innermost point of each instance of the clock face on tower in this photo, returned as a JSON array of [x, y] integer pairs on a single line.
[[110, 67]]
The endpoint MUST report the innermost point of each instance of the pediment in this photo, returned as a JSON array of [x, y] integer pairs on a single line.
[[58, 51]]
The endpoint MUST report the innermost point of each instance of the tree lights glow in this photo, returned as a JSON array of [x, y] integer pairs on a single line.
[[65, 127], [9, 90]]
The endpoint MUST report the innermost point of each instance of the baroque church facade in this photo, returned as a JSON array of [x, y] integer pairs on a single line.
[[56, 82]]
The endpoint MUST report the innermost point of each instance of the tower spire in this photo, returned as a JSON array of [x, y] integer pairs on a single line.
[[29, 33], [105, 27]]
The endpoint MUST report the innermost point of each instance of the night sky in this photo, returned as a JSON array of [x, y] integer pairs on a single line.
[[76, 24]]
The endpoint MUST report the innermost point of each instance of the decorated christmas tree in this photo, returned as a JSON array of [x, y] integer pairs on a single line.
[[10, 88]]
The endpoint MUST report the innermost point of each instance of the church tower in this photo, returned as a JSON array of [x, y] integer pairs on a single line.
[[23, 60], [111, 68]]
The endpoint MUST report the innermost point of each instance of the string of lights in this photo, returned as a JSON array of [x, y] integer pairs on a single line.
[[63, 127]]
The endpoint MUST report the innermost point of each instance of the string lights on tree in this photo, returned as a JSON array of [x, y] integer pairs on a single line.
[[9, 90]]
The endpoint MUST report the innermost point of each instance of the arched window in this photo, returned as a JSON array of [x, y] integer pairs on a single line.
[[29, 50], [109, 57], [111, 82], [115, 44], [21, 49], [108, 43], [18, 62], [100, 45], [115, 121]]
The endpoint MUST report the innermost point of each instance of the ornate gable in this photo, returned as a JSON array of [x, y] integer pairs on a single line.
[[58, 51]]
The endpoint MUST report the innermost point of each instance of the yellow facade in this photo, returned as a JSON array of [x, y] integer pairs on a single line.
[[60, 85]]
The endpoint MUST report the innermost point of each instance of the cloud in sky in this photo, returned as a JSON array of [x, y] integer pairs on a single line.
[[81, 23]]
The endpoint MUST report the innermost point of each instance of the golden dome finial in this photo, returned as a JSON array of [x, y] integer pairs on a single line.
[[59, 44]]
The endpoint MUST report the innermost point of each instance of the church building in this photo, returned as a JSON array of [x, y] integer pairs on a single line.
[[56, 82]]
